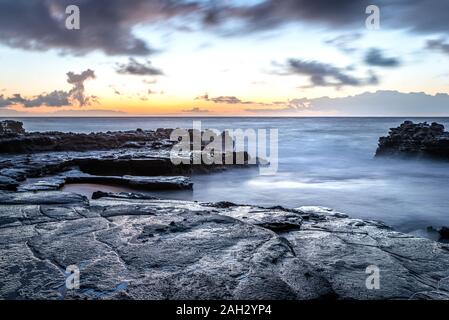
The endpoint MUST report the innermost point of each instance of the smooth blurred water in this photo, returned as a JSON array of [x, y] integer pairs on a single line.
[[322, 161]]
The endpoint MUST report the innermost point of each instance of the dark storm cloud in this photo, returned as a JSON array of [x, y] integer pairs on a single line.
[[273, 13], [106, 25], [438, 45], [57, 98], [421, 16], [134, 67], [375, 57], [325, 75]]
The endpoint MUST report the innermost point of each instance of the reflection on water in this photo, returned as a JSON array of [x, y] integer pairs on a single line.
[[322, 161]]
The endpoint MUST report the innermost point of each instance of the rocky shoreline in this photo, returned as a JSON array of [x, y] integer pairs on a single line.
[[134, 246], [46, 161], [129, 247]]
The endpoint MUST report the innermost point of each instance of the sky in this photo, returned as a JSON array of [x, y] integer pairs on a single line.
[[224, 58]]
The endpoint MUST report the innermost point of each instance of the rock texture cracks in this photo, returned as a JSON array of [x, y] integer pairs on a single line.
[[165, 249]]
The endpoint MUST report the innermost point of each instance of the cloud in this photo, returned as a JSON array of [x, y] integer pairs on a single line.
[[53, 99], [223, 99], [416, 16], [57, 98], [379, 103], [196, 110], [325, 75], [134, 67], [375, 57], [149, 81], [438, 45], [64, 113], [289, 106], [77, 93], [88, 112], [116, 91], [269, 14], [106, 26], [345, 42]]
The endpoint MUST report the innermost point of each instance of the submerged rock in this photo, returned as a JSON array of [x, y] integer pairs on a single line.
[[168, 249], [416, 140]]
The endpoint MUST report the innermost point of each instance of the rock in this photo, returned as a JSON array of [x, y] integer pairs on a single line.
[[116, 160], [122, 195], [45, 184], [15, 140], [76, 176], [7, 183], [415, 140], [16, 174], [40, 198], [140, 168], [444, 233], [61, 141], [11, 128], [165, 249]]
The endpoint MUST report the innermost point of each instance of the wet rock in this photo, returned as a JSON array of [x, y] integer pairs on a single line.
[[444, 233], [41, 198], [45, 184], [61, 141], [166, 249], [7, 183], [110, 157], [11, 128], [122, 195], [75, 176], [415, 140], [16, 174], [221, 204]]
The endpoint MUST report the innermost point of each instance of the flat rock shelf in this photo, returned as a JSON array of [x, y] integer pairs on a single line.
[[128, 247]]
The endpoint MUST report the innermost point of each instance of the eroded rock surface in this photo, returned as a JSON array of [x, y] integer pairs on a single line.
[[415, 140], [166, 249], [141, 159]]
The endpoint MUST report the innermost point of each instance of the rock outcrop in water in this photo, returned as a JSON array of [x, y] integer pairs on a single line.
[[11, 128], [139, 159], [415, 140], [165, 249], [14, 139]]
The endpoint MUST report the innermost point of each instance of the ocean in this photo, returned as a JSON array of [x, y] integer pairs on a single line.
[[322, 162]]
